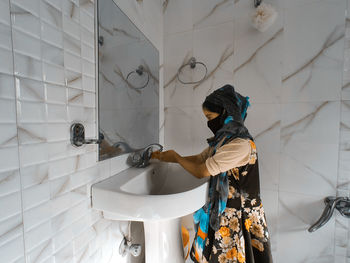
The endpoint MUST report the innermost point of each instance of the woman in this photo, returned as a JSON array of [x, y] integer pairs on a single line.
[[231, 226]]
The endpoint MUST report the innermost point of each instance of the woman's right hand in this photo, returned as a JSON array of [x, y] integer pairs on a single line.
[[167, 156]]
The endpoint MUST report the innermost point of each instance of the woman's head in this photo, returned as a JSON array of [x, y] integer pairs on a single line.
[[215, 114], [224, 102], [226, 111], [211, 110]]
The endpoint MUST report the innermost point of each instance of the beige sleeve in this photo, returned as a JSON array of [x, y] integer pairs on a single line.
[[233, 154]]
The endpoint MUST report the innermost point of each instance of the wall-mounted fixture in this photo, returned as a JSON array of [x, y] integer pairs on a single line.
[[101, 40], [140, 70], [257, 3], [192, 63], [342, 204], [77, 136], [263, 16]]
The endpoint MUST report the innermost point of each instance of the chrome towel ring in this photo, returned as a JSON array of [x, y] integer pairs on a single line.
[[192, 63], [140, 70]]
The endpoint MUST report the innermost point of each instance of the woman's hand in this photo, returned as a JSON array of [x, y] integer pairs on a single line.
[[167, 156]]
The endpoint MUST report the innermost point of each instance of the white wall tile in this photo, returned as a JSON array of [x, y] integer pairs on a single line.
[[12, 251], [45, 180]]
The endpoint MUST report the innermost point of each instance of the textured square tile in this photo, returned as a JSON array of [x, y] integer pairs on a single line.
[[30, 90], [5, 36], [30, 6], [51, 35], [7, 65], [26, 66], [50, 14], [9, 182], [8, 159], [13, 251], [52, 54], [25, 20]]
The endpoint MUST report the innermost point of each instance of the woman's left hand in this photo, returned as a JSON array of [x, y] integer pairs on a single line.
[[167, 156]]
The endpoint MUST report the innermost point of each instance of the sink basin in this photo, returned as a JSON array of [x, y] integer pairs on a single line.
[[157, 192], [157, 195]]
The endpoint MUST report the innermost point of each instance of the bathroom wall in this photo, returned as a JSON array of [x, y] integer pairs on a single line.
[[296, 76], [47, 81]]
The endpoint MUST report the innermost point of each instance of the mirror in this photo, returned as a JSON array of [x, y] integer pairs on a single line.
[[128, 84]]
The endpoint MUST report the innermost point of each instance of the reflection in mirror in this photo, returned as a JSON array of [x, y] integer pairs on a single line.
[[128, 82]]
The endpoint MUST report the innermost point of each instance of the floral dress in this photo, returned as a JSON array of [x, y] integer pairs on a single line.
[[243, 235]]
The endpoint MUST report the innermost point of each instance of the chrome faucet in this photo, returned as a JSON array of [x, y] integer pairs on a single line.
[[140, 158]]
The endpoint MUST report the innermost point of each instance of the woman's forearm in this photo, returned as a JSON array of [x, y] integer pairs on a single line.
[[196, 169], [193, 158]]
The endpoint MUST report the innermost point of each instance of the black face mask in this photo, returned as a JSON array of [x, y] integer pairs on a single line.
[[215, 124]]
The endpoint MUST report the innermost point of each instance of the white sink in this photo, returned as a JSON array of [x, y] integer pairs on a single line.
[[158, 195]]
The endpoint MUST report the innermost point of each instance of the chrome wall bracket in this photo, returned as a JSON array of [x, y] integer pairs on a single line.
[[342, 204], [77, 136]]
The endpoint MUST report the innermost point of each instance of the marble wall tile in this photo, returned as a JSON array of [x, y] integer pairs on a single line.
[[305, 162], [71, 10], [219, 60], [25, 18], [26, 44], [146, 17], [13, 251], [258, 56], [5, 12], [71, 28], [172, 23], [50, 14], [178, 139], [14, 209], [7, 111], [296, 213], [178, 52], [26, 66], [51, 34], [344, 147], [32, 6], [315, 73], [30, 90], [7, 66], [314, 122], [11, 228], [51, 54], [5, 36], [53, 74], [207, 13]]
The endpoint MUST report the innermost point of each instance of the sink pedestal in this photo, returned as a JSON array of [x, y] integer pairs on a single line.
[[163, 241]]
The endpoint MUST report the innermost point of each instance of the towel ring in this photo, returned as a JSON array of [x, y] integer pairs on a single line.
[[192, 63], [257, 3], [139, 71]]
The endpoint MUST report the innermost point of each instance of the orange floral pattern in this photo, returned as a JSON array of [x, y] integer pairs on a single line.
[[243, 217]]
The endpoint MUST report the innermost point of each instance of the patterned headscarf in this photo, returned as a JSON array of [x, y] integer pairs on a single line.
[[233, 127]]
